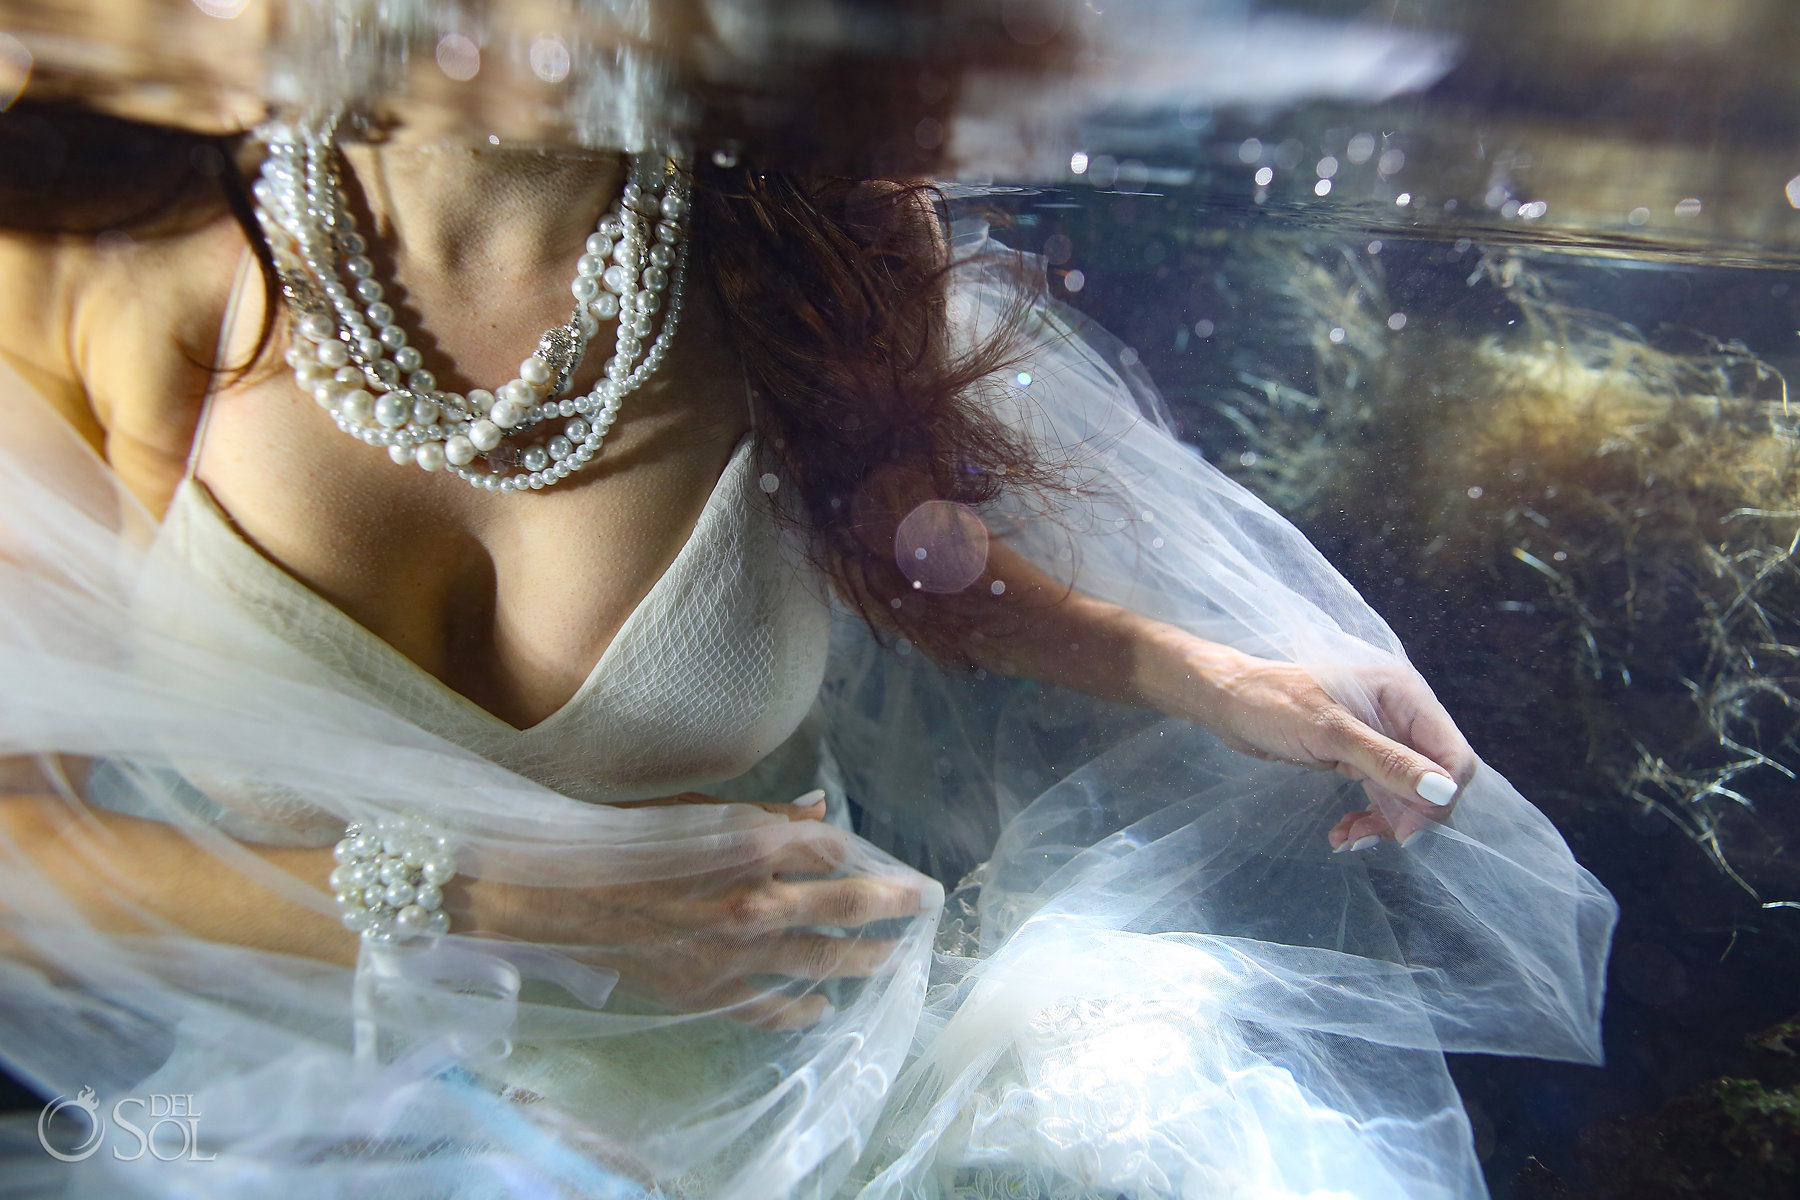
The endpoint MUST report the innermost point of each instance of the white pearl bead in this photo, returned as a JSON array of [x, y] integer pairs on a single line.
[[605, 306], [361, 873], [559, 447], [345, 851], [400, 454], [535, 371], [460, 450], [367, 845], [485, 434], [617, 278], [438, 923], [349, 376], [431, 456], [398, 895], [380, 314], [519, 392], [339, 879], [408, 358], [357, 406], [392, 870], [368, 291], [412, 920], [576, 430], [358, 267], [428, 896], [438, 869], [392, 336], [656, 278], [599, 244], [333, 353], [392, 410], [426, 412], [536, 458], [584, 287], [506, 413], [317, 326], [356, 919], [310, 375], [591, 264]]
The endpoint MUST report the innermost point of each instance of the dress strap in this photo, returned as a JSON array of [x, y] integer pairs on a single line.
[[228, 327]]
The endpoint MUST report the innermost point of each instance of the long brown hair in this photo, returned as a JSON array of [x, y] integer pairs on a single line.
[[834, 290]]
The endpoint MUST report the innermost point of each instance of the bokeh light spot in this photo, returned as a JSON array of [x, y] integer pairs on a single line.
[[458, 57], [941, 546], [549, 59]]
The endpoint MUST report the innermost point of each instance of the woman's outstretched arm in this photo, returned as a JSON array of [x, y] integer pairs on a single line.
[[1040, 629]]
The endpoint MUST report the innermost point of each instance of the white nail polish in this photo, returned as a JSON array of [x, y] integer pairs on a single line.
[[1438, 789], [810, 798], [1410, 838], [931, 896], [1364, 842], [1341, 846]]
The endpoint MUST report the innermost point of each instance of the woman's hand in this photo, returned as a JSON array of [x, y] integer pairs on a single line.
[[1278, 711], [696, 941]]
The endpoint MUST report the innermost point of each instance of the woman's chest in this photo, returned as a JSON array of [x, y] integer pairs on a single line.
[[509, 600]]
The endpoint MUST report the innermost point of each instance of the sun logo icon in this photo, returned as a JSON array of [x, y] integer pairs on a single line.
[[88, 1105]]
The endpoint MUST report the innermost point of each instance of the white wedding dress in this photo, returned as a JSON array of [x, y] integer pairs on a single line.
[[1154, 979]]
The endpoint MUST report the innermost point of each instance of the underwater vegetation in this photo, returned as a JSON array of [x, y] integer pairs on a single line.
[[1624, 518], [1589, 542]]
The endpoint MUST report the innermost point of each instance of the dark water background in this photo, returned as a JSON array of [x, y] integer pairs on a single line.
[[1698, 962]]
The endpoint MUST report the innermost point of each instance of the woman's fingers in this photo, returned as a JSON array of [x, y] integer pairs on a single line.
[[767, 1010], [839, 903], [1360, 830], [816, 956], [1399, 770], [810, 807], [1425, 726], [814, 850]]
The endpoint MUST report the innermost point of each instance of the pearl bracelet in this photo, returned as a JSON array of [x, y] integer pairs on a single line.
[[389, 879]]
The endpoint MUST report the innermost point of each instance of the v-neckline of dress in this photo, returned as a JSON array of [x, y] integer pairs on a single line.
[[712, 512]]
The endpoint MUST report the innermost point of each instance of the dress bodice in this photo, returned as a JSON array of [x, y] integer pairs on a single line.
[[711, 672]]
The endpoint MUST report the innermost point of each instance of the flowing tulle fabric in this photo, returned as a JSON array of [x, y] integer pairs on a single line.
[[1151, 978]]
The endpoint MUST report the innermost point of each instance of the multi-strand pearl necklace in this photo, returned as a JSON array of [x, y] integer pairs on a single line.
[[352, 356]]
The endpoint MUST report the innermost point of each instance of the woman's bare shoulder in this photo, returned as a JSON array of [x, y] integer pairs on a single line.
[[119, 334]]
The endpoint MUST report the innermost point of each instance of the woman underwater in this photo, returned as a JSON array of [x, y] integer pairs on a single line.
[[404, 739]]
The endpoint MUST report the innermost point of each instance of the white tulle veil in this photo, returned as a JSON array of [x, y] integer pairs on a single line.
[[1153, 980]]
